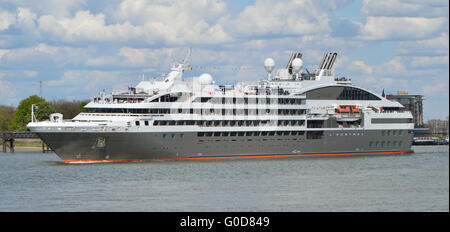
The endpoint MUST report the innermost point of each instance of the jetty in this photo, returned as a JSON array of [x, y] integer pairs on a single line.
[[7, 140]]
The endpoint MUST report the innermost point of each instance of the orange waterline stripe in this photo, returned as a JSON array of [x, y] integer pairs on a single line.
[[242, 157]]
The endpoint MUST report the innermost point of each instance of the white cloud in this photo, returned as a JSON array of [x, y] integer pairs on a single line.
[[300, 17], [7, 93], [143, 22], [401, 28], [85, 27], [434, 46], [405, 8], [361, 67], [6, 19], [26, 19], [43, 55], [58, 8], [30, 73], [89, 79]]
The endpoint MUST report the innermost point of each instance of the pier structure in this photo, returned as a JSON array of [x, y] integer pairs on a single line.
[[7, 140]]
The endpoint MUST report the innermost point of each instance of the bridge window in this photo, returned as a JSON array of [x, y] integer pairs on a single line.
[[340, 93]]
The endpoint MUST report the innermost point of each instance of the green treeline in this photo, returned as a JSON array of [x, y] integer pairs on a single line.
[[16, 119]]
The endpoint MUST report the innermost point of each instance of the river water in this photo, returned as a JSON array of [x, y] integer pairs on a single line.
[[407, 182]]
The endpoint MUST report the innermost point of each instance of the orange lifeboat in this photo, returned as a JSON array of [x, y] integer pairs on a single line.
[[355, 110], [348, 110]]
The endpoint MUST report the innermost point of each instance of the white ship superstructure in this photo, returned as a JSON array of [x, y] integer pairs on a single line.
[[291, 113]]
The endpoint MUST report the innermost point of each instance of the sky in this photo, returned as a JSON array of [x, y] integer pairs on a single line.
[[77, 48]]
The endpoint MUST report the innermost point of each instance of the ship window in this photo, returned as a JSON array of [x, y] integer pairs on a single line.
[[146, 123], [171, 123], [371, 144], [216, 134], [181, 136], [264, 133], [137, 123], [180, 123], [400, 143], [340, 93], [400, 133], [209, 134], [294, 133], [241, 133], [394, 143], [155, 123], [232, 133], [205, 99], [248, 133], [163, 136], [172, 136], [279, 132], [224, 133], [314, 135], [200, 134], [272, 133], [388, 143]]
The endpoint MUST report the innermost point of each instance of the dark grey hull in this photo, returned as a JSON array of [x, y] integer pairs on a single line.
[[93, 147]]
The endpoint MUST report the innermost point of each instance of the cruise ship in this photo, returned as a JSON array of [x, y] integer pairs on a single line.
[[286, 114]]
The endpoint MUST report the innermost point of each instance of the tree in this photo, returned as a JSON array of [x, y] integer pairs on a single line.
[[69, 109], [22, 116], [81, 106], [6, 117]]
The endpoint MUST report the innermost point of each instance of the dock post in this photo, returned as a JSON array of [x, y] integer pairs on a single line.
[[11, 145]]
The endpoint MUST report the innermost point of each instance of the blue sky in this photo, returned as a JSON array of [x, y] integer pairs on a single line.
[[79, 47]]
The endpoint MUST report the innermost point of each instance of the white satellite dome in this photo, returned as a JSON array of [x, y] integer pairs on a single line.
[[269, 65], [297, 65], [205, 79]]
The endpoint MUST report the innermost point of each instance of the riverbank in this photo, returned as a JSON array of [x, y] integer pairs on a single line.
[[27, 149], [28, 145]]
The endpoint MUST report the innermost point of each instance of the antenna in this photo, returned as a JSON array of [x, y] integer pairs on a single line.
[[188, 55]]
